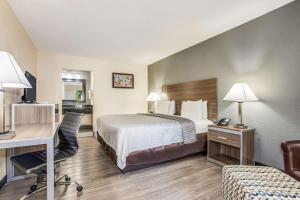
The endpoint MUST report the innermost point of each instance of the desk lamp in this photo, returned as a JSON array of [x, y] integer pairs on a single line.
[[11, 76]]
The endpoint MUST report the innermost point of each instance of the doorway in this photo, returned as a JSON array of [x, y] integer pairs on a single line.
[[77, 89]]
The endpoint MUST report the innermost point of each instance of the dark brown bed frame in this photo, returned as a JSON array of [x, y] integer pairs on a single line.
[[194, 90]]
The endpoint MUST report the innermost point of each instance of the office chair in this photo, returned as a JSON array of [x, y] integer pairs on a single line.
[[36, 162]]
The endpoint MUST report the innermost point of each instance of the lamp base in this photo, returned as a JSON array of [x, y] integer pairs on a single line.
[[7, 135], [240, 126]]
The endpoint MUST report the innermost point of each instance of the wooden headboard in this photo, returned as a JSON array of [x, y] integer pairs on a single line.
[[193, 91]]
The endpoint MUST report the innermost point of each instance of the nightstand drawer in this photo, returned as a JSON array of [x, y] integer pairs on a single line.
[[225, 138]]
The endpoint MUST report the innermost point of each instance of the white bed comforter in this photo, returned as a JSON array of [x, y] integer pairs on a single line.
[[129, 133]]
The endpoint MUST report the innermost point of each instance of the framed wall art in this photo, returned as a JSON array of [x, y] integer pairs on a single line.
[[122, 80]]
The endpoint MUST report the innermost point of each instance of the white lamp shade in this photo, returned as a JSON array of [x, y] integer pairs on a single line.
[[11, 75], [240, 92], [153, 97]]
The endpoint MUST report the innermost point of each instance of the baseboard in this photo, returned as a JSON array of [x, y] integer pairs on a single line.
[[86, 128], [3, 181], [260, 164]]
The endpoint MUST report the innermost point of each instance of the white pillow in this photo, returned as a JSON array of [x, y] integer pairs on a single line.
[[204, 110], [162, 107], [172, 108], [165, 107], [192, 110]]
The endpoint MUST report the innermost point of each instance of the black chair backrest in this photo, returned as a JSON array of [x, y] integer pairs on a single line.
[[67, 133]]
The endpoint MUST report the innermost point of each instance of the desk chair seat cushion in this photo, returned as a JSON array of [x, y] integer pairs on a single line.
[[28, 161], [31, 160]]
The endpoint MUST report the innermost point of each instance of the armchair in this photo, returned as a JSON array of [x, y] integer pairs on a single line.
[[291, 156]]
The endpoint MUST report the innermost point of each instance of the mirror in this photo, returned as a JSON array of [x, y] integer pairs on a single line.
[[74, 90]]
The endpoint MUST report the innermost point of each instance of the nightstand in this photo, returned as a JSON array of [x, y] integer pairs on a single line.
[[230, 146]]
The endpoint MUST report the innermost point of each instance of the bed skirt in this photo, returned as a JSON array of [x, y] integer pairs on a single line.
[[158, 155]]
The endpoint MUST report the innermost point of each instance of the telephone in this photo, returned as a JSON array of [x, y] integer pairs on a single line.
[[223, 122]]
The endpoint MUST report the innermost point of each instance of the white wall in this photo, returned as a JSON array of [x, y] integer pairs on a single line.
[[15, 40], [107, 100]]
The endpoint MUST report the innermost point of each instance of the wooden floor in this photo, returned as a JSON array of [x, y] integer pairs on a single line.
[[191, 178]]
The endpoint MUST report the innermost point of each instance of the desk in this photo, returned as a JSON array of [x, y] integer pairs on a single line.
[[36, 134]]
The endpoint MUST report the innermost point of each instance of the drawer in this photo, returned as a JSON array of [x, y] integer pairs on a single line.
[[225, 138]]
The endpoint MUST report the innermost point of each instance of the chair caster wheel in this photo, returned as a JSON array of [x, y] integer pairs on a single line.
[[79, 188], [33, 187], [67, 178]]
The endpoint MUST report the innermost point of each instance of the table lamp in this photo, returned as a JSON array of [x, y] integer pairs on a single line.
[[153, 97], [240, 92], [11, 76]]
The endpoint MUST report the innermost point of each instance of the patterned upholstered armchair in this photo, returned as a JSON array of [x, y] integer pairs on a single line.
[[291, 156], [258, 183], [264, 183]]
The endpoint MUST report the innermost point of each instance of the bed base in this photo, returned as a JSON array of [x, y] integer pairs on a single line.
[[158, 155]]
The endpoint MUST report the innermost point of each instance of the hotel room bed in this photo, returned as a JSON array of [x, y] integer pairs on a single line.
[[138, 141]]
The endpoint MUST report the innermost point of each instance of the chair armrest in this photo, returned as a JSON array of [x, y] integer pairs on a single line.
[[291, 146]]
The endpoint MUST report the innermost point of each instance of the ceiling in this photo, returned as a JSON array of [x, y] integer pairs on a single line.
[[132, 31]]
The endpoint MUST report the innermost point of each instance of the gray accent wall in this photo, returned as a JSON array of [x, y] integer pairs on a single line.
[[265, 54]]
